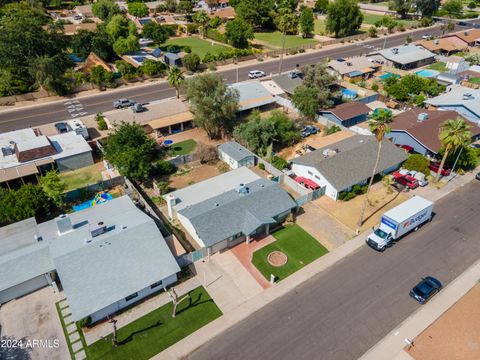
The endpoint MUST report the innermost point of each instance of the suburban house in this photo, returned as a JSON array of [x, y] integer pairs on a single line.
[[172, 59], [463, 100], [27, 153], [225, 210], [470, 36], [288, 82], [72, 29], [456, 64], [419, 129], [354, 68], [347, 114], [252, 95], [235, 155], [106, 258], [339, 166], [405, 56], [444, 46], [93, 60]]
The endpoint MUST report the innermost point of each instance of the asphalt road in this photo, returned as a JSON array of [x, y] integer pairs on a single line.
[[61, 110], [340, 313]]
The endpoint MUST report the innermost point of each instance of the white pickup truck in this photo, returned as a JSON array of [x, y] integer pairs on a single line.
[[400, 220]]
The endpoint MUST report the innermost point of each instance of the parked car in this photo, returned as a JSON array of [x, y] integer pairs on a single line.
[[136, 108], [477, 176], [406, 180], [307, 183], [420, 177], [426, 36], [62, 127], [123, 103], [435, 165], [407, 148], [308, 130], [425, 289], [255, 74]]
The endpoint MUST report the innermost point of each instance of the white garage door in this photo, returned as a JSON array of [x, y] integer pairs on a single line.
[[23, 288]]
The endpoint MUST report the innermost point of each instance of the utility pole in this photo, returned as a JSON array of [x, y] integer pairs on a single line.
[[114, 338], [173, 295]]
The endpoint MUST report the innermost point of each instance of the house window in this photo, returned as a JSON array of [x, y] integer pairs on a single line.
[[317, 177], [154, 285], [130, 297], [310, 173]]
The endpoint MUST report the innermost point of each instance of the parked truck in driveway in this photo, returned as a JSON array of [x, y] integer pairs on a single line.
[[399, 221]]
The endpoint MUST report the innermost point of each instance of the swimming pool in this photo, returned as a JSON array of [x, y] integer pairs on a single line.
[[426, 73], [388, 75], [349, 94]]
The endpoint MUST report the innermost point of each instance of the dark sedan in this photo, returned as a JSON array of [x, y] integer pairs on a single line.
[[425, 289], [477, 176]]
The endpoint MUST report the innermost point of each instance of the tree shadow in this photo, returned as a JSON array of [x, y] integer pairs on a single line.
[[14, 351], [131, 335], [192, 303], [381, 207]]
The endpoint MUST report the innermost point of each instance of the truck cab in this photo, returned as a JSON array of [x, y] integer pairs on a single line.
[[380, 238]]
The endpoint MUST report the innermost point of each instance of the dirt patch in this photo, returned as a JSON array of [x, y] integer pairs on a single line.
[[381, 199], [190, 175], [277, 258], [455, 335]]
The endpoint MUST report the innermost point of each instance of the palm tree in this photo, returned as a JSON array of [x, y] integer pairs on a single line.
[[453, 134], [175, 79], [202, 19], [286, 20], [447, 27], [379, 126]]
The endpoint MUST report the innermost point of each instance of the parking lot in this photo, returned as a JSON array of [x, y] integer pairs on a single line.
[[34, 319]]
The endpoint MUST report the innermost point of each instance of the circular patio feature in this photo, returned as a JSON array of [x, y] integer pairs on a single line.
[[277, 258]]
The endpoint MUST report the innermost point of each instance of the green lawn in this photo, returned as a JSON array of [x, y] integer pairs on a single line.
[[157, 330], [273, 40], [199, 46], [438, 66], [474, 80], [299, 246], [371, 19], [82, 177], [182, 148]]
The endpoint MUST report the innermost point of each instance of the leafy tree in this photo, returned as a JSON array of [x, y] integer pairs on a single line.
[[427, 7], [215, 22], [155, 32], [81, 43], [305, 100], [53, 186], [256, 134], [125, 45], [164, 167], [447, 27], [468, 158], [453, 7], [306, 22], [171, 5], [287, 133], [206, 153], [379, 126], [417, 162], [453, 135], [212, 3], [402, 7], [472, 5], [120, 26], [238, 32], [344, 17], [28, 201], [127, 70], [175, 79], [255, 12], [321, 6], [102, 45], [137, 9], [131, 151], [105, 9], [151, 67], [49, 73], [411, 85], [279, 163], [191, 62], [202, 19], [185, 7], [213, 103]]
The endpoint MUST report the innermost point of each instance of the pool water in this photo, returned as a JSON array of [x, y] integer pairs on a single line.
[[349, 94], [388, 75], [96, 200], [427, 73]]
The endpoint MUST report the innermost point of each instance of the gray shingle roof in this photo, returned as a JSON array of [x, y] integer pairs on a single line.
[[354, 160], [406, 54], [230, 213], [236, 151]]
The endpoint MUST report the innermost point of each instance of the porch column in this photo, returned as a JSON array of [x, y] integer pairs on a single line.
[[248, 239], [267, 229], [170, 130], [181, 126]]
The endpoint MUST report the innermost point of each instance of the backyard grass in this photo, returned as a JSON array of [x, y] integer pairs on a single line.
[[371, 19], [82, 177], [474, 80], [182, 148], [273, 40], [299, 246], [156, 331], [199, 46], [438, 66]]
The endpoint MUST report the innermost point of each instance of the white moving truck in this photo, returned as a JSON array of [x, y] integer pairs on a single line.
[[400, 220]]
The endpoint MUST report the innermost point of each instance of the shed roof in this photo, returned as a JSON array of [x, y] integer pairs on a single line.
[[236, 151], [349, 110]]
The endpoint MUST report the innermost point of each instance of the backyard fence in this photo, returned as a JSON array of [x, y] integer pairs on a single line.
[[184, 159], [86, 191], [191, 257]]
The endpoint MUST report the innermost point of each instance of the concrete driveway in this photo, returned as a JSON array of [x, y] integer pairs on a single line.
[[31, 318], [323, 227]]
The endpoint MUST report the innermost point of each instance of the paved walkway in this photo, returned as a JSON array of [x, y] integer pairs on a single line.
[[391, 346], [105, 328], [432, 193], [73, 333]]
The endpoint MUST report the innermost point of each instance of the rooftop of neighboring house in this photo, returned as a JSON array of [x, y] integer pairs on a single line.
[[90, 250], [287, 82], [405, 54], [351, 161], [236, 151], [72, 29], [252, 94], [223, 13], [447, 44], [424, 125], [353, 65], [459, 96], [470, 35], [348, 110], [240, 210]]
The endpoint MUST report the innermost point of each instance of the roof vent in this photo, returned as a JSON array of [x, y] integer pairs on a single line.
[[88, 241], [395, 50], [436, 41], [98, 229], [328, 153], [422, 117], [64, 224], [38, 238], [465, 33], [217, 204], [242, 189]]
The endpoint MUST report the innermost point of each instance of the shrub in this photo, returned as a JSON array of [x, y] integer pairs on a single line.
[[333, 129], [192, 28], [417, 162], [191, 62], [261, 166], [101, 123], [375, 87], [206, 153], [356, 190], [164, 167], [223, 167], [372, 32], [162, 187], [279, 163], [84, 322]]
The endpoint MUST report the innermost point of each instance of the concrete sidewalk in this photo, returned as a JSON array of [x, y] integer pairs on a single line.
[[391, 346]]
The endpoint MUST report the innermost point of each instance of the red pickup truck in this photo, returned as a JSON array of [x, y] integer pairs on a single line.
[[435, 165], [406, 180]]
